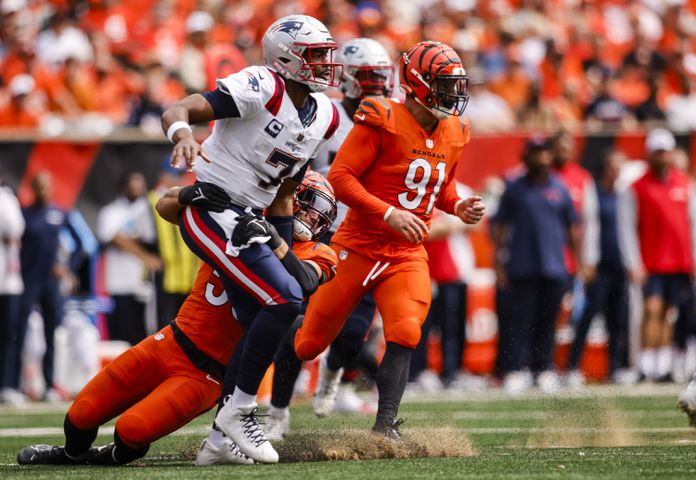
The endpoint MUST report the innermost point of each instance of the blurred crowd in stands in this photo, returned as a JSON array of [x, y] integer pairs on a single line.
[[89, 66]]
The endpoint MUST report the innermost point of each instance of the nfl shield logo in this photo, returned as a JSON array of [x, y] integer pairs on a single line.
[[429, 143], [343, 255]]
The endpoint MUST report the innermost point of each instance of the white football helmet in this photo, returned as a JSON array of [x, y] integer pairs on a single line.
[[367, 69], [297, 46]]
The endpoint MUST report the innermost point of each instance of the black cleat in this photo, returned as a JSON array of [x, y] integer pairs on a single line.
[[44, 455], [389, 430]]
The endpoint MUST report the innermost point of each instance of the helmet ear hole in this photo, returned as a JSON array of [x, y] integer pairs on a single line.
[[430, 99]]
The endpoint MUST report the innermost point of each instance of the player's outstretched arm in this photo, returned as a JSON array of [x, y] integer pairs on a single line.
[[176, 122], [206, 196]]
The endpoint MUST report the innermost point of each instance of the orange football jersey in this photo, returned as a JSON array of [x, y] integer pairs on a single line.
[[206, 315], [388, 160]]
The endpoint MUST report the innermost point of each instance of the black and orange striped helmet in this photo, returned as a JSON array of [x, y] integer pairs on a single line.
[[432, 73]]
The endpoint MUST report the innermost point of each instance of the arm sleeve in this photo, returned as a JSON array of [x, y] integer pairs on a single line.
[[223, 104], [304, 273], [627, 219], [590, 240], [109, 224], [448, 197], [358, 152], [250, 88]]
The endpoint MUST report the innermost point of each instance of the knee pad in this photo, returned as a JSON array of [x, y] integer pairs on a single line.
[[285, 312], [307, 349], [134, 431], [405, 332], [84, 415]]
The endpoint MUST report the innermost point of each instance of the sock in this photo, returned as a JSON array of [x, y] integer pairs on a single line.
[[392, 376], [647, 362], [287, 369], [242, 399], [663, 361], [77, 441], [123, 454], [215, 438], [262, 340], [274, 411]]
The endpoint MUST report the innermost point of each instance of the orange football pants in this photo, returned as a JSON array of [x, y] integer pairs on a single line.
[[153, 386], [401, 292]]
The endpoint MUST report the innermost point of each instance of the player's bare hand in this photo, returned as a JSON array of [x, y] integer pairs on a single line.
[[186, 151], [471, 210], [407, 224]]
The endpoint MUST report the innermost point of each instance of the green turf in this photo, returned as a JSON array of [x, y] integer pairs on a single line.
[[617, 437]]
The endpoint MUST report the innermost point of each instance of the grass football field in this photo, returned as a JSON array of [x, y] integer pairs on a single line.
[[605, 432]]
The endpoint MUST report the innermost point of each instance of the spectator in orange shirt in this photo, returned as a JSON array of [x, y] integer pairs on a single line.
[[514, 86], [25, 106]]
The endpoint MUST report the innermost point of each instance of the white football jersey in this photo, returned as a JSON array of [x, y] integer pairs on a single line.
[[326, 155], [251, 155]]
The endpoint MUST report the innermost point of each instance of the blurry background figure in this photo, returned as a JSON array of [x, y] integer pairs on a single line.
[[126, 229], [24, 107], [192, 64], [681, 107], [657, 216], [534, 223], [451, 261], [179, 265], [47, 272], [490, 111], [11, 287], [607, 292]]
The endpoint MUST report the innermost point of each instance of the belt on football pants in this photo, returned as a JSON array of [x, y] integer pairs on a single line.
[[200, 359]]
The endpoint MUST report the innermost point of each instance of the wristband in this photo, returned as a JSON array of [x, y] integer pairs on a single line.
[[176, 126], [388, 212], [456, 205]]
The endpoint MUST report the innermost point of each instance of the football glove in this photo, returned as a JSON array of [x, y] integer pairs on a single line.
[[252, 229], [205, 196]]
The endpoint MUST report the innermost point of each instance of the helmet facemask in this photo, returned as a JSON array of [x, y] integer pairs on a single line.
[[448, 94], [369, 80], [313, 57], [315, 211]]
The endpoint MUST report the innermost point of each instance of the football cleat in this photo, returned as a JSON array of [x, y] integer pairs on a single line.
[[327, 386], [389, 430], [687, 402], [277, 423], [227, 454], [44, 455], [242, 426]]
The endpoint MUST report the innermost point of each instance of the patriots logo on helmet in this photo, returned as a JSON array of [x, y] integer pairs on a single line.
[[253, 83], [350, 50], [290, 27]]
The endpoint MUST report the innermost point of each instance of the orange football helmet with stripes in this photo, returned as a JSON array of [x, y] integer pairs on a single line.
[[315, 207], [432, 74]]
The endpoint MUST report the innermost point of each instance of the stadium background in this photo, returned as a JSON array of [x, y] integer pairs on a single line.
[[83, 82]]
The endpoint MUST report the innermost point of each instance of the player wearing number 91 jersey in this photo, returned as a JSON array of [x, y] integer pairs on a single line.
[[396, 165]]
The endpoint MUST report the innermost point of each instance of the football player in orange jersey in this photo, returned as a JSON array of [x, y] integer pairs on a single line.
[[395, 166], [171, 377]]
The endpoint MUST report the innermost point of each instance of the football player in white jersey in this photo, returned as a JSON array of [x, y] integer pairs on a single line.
[[367, 71], [270, 121]]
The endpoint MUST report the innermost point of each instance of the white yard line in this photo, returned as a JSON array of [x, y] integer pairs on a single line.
[[54, 431]]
